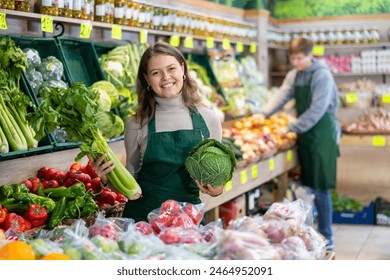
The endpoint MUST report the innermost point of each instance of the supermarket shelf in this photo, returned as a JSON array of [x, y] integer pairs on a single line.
[[282, 74], [243, 180], [16, 170], [72, 21], [365, 140], [336, 47]]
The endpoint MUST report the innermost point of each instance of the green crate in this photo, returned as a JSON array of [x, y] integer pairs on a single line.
[[80, 60], [47, 47]]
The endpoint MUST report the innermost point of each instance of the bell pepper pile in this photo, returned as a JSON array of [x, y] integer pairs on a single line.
[[50, 197]]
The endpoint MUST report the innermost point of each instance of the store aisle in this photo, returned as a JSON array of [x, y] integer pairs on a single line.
[[362, 242]]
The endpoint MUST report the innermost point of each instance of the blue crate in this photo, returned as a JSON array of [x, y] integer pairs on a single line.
[[366, 216]]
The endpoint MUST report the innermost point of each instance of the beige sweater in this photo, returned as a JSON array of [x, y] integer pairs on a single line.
[[171, 115]]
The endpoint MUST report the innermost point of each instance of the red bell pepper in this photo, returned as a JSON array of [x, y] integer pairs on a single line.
[[36, 215], [3, 213], [15, 222]]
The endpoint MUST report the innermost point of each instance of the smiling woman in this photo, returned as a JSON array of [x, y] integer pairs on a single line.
[[169, 122], [165, 76]]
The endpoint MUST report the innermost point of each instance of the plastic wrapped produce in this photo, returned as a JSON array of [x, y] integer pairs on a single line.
[[238, 245], [33, 58], [51, 68]]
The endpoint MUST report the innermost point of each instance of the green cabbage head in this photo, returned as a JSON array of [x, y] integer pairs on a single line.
[[211, 162]]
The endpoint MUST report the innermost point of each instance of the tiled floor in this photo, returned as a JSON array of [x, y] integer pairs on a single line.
[[362, 242]]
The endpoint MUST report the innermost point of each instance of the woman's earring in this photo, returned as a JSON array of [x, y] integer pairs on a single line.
[[184, 77], [148, 88]]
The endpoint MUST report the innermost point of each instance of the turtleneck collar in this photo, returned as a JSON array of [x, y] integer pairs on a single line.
[[173, 103]]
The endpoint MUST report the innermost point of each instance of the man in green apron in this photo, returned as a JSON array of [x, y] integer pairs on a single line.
[[316, 100]]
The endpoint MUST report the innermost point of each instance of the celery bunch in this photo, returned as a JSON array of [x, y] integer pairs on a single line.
[[15, 130]]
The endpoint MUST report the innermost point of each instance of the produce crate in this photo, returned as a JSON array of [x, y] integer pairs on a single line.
[[45, 145], [366, 216], [47, 47], [80, 60], [100, 48]]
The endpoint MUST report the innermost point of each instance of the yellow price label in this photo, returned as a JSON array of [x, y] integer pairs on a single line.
[[318, 50], [116, 32], [239, 47], [252, 47], [189, 42], [143, 36], [289, 155], [174, 41], [228, 186], [351, 97], [85, 30], [47, 24], [386, 98], [225, 44], [379, 141], [3, 21], [271, 164], [254, 171], [209, 42], [243, 177]]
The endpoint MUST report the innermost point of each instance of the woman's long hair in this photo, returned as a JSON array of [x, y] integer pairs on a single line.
[[146, 98]]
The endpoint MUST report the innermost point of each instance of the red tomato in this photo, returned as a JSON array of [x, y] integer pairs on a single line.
[[170, 236], [193, 213], [144, 227], [191, 236], [171, 206], [180, 220]]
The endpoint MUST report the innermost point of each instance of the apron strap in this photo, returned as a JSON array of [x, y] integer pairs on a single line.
[[197, 122]]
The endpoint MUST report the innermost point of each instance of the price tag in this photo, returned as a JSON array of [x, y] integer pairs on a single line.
[[243, 177], [209, 42], [47, 24], [239, 47], [143, 36], [228, 186], [3, 21], [351, 97], [254, 171], [271, 164], [379, 141], [85, 30], [386, 98], [289, 155], [225, 44], [252, 47], [174, 41], [318, 50], [116, 32], [189, 42]]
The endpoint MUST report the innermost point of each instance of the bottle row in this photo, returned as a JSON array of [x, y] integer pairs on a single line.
[[338, 36], [142, 14]]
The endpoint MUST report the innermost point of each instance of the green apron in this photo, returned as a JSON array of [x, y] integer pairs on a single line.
[[163, 175], [317, 148]]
